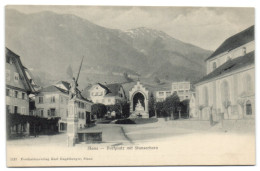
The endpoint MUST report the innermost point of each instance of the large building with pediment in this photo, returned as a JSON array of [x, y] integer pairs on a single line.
[[228, 88]]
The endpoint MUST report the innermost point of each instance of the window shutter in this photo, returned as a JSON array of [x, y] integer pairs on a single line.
[[48, 112]]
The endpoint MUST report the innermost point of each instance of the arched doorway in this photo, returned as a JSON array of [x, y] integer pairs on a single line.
[[138, 97], [248, 108]]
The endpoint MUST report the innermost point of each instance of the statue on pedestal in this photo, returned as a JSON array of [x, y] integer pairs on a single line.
[[72, 120], [73, 89], [139, 106]]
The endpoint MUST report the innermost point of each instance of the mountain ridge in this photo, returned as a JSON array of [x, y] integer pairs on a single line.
[[50, 42]]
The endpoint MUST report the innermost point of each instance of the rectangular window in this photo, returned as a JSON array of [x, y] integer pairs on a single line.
[[16, 77], [41, 112], [7, 92], [15, 109], [53, 99], [16, 94], [161, 93], [23, 95], [52, 112], [40, 100], [168, 93]]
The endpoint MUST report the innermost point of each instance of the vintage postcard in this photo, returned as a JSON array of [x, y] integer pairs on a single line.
[[129, 85]]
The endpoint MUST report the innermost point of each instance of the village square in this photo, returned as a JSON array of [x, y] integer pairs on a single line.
[[105, 107]]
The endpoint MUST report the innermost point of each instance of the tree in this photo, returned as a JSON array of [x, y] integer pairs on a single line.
[[151, 106], [171, 103], [125, 109], [185, 104], [241, 102], [159, 109], [99, 110]]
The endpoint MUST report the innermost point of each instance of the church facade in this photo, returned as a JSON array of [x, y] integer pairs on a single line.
[[228, 88]]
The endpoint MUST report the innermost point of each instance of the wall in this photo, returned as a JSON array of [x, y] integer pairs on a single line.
[[11, 100], [237, 88], [222, 58]]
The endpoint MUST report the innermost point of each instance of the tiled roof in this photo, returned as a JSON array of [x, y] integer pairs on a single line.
[[230, 66], [235, 41]]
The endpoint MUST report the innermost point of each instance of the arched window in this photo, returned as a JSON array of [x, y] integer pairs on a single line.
[[248, 83], [214, 65], [225, 91], [205, 96], [248, 108]]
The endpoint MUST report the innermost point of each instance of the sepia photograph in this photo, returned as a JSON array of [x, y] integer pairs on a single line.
[[129, 85]]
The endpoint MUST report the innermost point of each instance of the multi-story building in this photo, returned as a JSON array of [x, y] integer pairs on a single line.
[[161, 95], [108, 94], [18, 88], [52, 101], [228, 88], [183, 90]]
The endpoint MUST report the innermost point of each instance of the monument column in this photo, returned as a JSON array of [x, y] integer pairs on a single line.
[[72, 124]]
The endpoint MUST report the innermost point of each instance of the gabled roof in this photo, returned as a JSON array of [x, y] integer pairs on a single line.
[[53, 88], [65, 84], [113, 89], [235, 41], [20, 68], [104, 87], [231, 65]]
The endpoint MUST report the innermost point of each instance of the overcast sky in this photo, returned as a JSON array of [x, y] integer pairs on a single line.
[[204, 27]]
